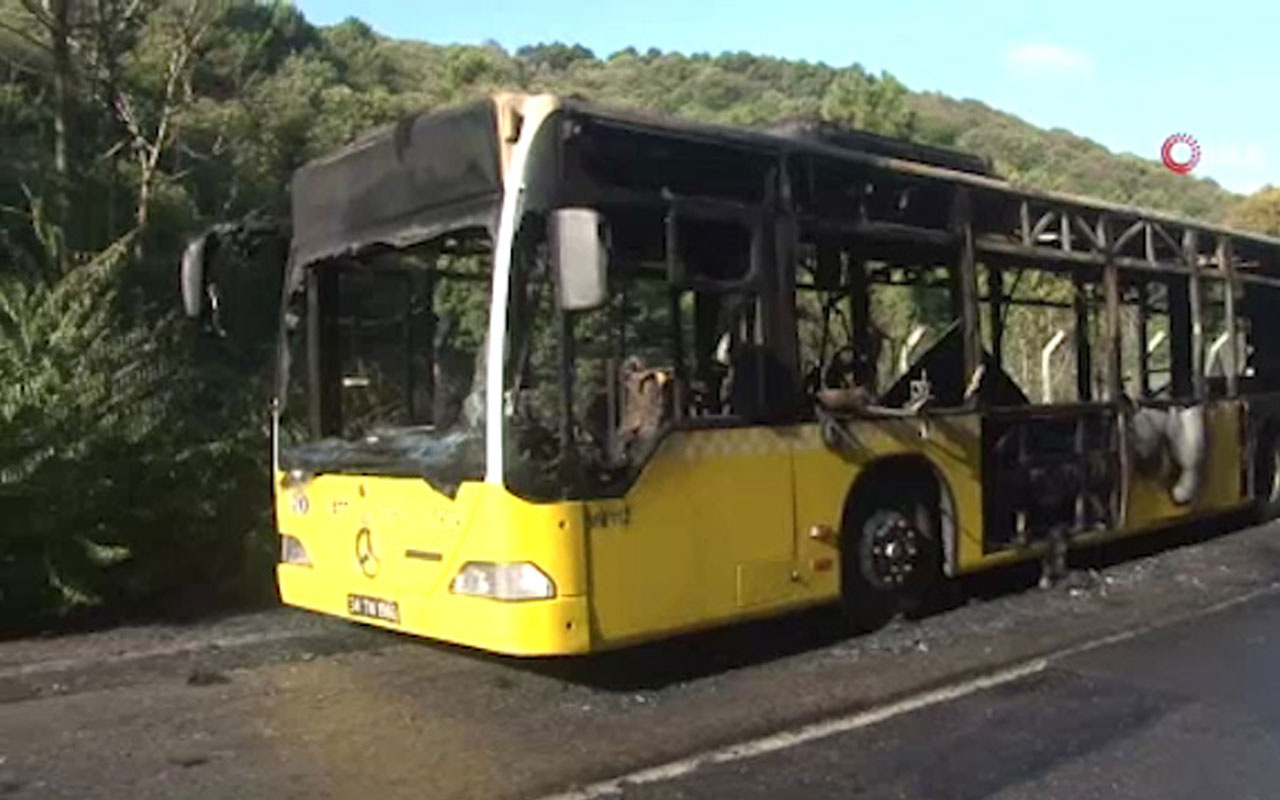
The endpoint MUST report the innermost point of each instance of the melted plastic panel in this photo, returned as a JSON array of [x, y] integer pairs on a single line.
[[399, 185]]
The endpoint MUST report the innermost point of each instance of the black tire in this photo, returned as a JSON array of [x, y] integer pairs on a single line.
[[1266, 475], [877, 585]]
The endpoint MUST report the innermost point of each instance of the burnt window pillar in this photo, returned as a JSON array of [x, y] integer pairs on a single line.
[[1180, 336], [1084, 355], [1191, 256], [965, 274]]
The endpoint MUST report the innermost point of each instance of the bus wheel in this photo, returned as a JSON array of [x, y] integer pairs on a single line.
[[890, 557], [1267, 477]]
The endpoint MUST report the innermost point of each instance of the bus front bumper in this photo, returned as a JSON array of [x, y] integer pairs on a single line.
[[557, 626]]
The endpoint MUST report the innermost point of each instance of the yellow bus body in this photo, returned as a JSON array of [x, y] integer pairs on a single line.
[[720, 526]]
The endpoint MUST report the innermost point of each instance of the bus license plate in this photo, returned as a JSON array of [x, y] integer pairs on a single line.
[[372, 607]]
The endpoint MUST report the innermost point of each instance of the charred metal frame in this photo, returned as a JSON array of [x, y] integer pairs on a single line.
[[889, 207], [897, 212], [758, 218]]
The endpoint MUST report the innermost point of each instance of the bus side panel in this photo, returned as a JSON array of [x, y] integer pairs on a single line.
[[951, 443], [704, 535], [1150, 503]]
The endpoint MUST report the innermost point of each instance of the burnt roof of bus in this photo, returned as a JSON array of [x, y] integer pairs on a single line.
[[400, 184], [406, 182], [410, 181], [784, 140], [797, 135], [867, 142]]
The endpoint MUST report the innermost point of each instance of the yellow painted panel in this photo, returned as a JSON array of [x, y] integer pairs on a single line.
[[542, 627], [764, 582], [1150, 504], [716, 528], [951, 443], [482, 523], [706, 502], [718, 524]]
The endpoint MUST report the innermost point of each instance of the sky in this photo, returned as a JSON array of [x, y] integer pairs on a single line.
[[1125, 74]]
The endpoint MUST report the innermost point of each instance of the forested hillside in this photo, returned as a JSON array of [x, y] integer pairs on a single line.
[[133, 451]]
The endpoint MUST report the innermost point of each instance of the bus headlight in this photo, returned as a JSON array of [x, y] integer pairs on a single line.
[[518, 580], [292, 551]]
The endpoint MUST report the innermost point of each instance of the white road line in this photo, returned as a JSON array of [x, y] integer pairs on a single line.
[[807, 733], [862, 719]]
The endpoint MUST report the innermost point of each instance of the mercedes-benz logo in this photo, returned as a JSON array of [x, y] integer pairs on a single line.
[[365, 555]]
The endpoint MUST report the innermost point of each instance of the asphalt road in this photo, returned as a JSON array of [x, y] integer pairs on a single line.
[[287, 704], [1192, 712]]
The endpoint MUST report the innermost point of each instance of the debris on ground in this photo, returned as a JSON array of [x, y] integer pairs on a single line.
[[206, 677], [188, 761]]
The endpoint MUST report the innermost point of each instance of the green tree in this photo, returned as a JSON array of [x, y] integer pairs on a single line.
[[556, 56], [112, 438], [1259, 212], [879, 105]]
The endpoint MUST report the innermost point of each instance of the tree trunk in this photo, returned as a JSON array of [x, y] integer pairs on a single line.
[[60, 44]]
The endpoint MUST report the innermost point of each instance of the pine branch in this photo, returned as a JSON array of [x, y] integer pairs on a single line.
[[26, 37], [36, 10]]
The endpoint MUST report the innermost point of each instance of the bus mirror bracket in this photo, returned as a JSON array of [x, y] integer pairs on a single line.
[[580, 258]]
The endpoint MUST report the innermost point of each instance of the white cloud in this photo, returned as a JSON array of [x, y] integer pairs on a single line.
[[1044, 58]]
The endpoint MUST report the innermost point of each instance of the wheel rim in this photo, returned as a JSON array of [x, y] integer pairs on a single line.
[[892, 550]]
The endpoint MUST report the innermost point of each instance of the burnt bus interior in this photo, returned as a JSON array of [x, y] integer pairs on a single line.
[[761, 279], [393, 334]]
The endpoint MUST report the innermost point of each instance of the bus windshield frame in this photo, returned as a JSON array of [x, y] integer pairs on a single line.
[[382, 362]]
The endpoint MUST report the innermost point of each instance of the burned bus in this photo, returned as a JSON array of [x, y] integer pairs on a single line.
[[555, 378]]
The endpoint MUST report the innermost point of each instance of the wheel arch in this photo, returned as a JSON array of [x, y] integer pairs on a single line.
[[910, 469]]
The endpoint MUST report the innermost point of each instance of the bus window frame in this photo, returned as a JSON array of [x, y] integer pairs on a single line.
[[575, 187], [959, 237]]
